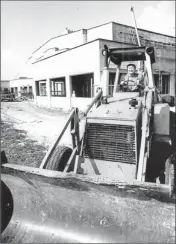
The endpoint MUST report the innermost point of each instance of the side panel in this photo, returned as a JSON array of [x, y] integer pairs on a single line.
[[162, 119]]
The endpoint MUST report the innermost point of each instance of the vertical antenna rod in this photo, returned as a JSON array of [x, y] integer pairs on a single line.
[[140, 64], [135, 25]]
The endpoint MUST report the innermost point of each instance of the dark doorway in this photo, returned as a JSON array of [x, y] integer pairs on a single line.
[[82, 85], [16, 91], [162, 82]]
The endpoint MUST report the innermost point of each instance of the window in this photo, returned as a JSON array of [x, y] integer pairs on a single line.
[[30, 88], [6, 90], [23, 89], [83, 85], [111, 82], [41, 88], [112, 76], [58, 87], [163, 84]]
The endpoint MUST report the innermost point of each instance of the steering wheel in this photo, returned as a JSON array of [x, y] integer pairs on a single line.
[[128, 88], [124, 87]]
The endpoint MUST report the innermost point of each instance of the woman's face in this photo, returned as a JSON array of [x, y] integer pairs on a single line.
[[131, 69]]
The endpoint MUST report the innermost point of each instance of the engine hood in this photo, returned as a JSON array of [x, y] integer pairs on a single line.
[[118, 108]]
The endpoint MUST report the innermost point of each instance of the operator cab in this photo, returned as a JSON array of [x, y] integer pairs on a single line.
[[136, 79], [133, 81]]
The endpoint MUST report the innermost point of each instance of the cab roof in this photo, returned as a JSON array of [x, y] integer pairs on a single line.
[[118, 55]]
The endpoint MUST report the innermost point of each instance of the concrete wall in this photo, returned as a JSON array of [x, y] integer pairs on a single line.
[[63, 102], [165, 60], [60, 102], [53, 102], [127, 34], [80, 60], [104, 32], [42, 101]]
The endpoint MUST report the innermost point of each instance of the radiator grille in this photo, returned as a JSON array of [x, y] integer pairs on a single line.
[[110, 142]]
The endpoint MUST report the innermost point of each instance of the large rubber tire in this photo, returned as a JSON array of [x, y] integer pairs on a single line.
[[3, 157], [59, 158]]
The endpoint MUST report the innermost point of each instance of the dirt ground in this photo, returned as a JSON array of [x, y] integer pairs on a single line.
[[27, 131], [19, 148], [42, 125]]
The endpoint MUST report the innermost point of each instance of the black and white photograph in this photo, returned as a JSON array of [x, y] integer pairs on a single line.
[[88, 122]]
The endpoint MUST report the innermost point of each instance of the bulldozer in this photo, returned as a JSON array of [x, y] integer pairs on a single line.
[[121, 145]]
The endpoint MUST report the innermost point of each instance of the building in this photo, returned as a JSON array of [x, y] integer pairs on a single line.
[[5, 86], [22, 86], [67, 69]]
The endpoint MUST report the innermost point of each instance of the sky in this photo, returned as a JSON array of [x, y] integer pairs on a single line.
[[26, 25]]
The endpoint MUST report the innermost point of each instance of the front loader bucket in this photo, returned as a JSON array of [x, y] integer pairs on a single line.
[[41, 209]]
